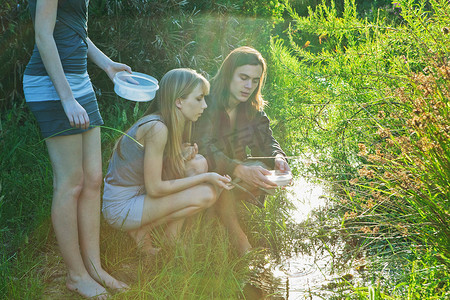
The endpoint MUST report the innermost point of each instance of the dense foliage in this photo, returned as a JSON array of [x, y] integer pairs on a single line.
[[360, 87], [373, 105]]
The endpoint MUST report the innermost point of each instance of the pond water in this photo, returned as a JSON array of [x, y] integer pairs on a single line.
[[312, 274], [302, 274]]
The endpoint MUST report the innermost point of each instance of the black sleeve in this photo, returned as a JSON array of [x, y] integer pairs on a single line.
[[264, 144], [205, 135]]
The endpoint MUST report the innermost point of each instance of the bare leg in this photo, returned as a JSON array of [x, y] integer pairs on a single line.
[[171, 210], [173, 229], [226, 210], [195, 166], [174, 208], [66, 157], [143, 239], [89, 211]]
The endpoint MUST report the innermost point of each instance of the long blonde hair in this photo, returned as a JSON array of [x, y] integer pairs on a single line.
[[220, 84], [175, 84]]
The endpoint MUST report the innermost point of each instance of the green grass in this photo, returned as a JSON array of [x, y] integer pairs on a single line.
[[200, 265], [325, 98]]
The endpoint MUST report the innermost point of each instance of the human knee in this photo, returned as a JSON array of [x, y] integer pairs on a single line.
[[66, 191], [208, 196], [197, 165], [72, 182], [93, 179]]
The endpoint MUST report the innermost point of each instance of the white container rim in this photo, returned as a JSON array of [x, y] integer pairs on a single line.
[[142, 88]]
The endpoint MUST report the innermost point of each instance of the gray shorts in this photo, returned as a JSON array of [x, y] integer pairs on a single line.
[[123, 205]]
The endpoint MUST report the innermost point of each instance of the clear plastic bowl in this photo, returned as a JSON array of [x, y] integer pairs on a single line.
[[280, 178], [136, 86]]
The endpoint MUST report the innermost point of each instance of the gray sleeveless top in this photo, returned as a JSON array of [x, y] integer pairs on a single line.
[[128, 170], [70, 35]]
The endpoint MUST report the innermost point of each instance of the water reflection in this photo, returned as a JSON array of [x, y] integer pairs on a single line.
[[304, 273], [317, 267], [318, 270], [306, 196]]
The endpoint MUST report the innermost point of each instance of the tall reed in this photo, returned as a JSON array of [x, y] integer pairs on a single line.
[[371, 102]]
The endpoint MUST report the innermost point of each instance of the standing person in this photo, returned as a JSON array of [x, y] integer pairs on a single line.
[[154, 177], [233, 124], [59, 93]]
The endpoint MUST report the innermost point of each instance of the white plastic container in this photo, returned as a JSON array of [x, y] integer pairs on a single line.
[[280, 178], [136, 86]]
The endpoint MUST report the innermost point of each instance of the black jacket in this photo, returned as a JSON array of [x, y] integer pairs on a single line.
[[225, 148]]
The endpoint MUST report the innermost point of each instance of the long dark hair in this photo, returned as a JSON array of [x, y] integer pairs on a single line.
[[220, 84]]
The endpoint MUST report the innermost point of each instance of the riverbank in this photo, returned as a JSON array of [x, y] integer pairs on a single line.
[[364, 92]]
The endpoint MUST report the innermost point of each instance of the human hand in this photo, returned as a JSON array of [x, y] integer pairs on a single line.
[[219, 180], [281, 164], [76, 114], [189, 151], [254, 176], [115, 67]]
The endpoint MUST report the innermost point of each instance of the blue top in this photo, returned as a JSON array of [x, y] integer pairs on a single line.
[[70, 35]]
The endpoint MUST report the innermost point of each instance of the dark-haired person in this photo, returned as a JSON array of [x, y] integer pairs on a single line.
[[59, 93], [233, 124]]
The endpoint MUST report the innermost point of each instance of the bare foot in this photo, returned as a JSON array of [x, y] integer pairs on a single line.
[[149, 251], [146, 247], [173, 230], [144, 241], [107, 280], [87, 287]]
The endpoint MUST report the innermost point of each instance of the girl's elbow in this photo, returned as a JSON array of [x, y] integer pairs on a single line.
[[155, 192], [39, 39], [42, 38]]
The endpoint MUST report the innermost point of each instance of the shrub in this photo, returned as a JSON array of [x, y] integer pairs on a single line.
[[372, 104]]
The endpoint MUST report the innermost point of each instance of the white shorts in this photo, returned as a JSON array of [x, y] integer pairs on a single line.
[[123, 205]]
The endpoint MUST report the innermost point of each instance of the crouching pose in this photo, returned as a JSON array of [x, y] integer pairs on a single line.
[[235, 125], [154, 177]]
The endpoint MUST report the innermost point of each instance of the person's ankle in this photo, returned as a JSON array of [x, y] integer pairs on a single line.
[[95, 270], [76, 277]]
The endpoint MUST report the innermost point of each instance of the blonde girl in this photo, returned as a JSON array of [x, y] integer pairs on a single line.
[[154, 177]]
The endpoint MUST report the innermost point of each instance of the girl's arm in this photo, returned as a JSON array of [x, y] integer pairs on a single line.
[[44, 26], [155, 139], [104, 62]]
